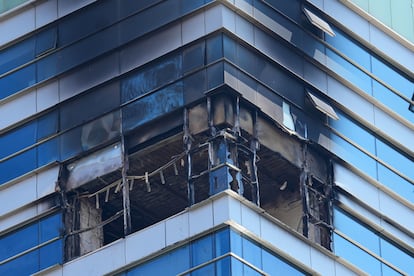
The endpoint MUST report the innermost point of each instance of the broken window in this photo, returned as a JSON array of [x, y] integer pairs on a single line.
[[215, 145]]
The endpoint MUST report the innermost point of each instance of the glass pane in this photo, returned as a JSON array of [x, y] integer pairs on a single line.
[[17, 81], [248, 271], [202, 250], [395, 159], [100, 130], [18, 241], [222, 239], [397, 257], [354, 132], [50, 227], [236, 267], [392, 77], [16, 55], [48, 152], [194, 86], [152, 106], [205, 270], [396, 183], [292, 8], [79, 24], [354, 156], [356, 231], [24, 265], [348, 71], [392, 101], [229, 48], [47, 67], [223, 267], [47, 125], [351, 49], [193, 57], [281, 82], [17, 139], [356, 256], [89, 106], [171, 263], [188, 6], [51, 254], [252, 253], [46, 40], [215, 75], [18, 165], [70, 144], [214, 48], [236, 243], [275, 266], [151, 77]]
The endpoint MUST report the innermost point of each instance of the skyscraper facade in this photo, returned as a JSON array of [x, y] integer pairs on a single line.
[[201, 137]]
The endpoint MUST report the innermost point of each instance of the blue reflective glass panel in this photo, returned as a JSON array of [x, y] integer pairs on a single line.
[[353, 156], [236, 267], [236, 243], [223, 267], [18, 165], [397, 257], [17, 139], [16, 55], [222, 240], [205, 270], [202, 250], [70, 143], [89, 106], [273, 265], [51, 254], [47, 125], [395, 159], [194, 57], [47, 67], [151, 77], [188, 6], [349, 48], [291, 9], [152, 106], [171, 263], [46, 40], [17, 81], [354, 132], [356, 231], [249, 271], [214, 48], [392, 77], [18, 241], [50, 227], [48, 152], [194, 86], [396, 183], [78, 24], [392, 101], [24, 265], [251, 252], [388, 271], [348, 71], [356, 256], [215, 75]]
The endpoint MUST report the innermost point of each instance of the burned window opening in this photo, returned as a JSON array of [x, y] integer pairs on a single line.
[[234, 148]]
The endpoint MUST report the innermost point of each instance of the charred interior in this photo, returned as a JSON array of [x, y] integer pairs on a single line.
[[159, 170]]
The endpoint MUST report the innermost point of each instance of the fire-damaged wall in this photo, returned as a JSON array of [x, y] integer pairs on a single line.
[[217, 144]]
